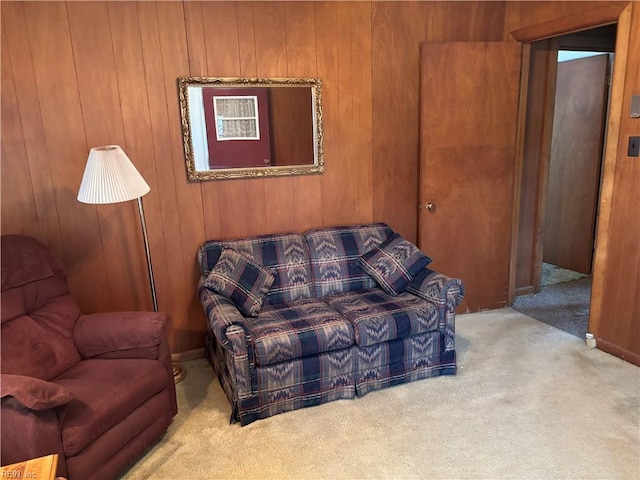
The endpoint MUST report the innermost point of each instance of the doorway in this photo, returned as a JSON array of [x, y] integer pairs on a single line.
[[562, 177]]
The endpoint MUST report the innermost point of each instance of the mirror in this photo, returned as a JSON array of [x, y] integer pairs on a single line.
[[251, 127]]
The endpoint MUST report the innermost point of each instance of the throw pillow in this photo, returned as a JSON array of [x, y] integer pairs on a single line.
[[394, 263], [241, 280]]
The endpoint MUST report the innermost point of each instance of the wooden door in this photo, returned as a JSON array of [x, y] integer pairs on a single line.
[[292, 126], [469, 110], [575, 162]]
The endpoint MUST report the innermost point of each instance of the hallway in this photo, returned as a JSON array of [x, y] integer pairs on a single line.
[[562, 303]]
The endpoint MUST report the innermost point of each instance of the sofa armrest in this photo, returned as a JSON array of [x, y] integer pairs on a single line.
[[222, 314], [30, 424], [121, 334], [444, 292], [437, 288], [230, 330]]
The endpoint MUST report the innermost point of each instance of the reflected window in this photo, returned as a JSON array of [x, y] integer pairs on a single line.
[[236, 118]]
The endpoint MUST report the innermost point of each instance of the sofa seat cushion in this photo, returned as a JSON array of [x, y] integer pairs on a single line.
[[379, 317], [298, 329], [105, 392]]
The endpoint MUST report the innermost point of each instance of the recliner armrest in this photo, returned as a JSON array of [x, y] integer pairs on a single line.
[[120, 334], [33, 393], [30, 427]]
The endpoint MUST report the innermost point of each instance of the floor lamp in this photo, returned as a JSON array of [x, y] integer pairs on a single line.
[[110, 177]]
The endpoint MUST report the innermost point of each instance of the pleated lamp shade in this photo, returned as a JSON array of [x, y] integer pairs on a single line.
[[110, 177]]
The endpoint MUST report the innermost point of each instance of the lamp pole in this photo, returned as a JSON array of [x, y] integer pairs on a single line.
[[179, 371], [147, 251], [111, 177]]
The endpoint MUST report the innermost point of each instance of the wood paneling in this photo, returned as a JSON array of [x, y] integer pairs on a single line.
[[61, 119], [301, 53], [615, 305], [575, 162], [19, 207], [65, 88], [89, 26], [79, 74]]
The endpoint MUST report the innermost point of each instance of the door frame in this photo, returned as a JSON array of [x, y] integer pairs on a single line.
[[619, 13]]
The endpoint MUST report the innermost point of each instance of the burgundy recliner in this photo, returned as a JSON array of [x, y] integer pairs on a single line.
[[96, 389]]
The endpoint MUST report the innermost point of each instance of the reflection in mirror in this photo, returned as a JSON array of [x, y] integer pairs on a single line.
[[251, 127]]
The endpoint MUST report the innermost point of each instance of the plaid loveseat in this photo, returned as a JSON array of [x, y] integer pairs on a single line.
[[325, 329]]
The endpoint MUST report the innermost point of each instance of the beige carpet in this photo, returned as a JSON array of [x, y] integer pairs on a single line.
[[529, 401]]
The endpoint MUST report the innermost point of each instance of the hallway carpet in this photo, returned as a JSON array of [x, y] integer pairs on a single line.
[[564, 306]]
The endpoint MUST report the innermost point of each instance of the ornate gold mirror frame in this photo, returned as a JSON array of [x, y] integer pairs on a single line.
[[288, 127]]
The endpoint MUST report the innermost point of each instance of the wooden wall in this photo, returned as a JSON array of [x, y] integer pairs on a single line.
[[82, 74], [615, 305]]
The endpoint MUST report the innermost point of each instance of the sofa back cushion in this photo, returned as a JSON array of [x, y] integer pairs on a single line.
[[285, 255], [334, 256], [38, 313]]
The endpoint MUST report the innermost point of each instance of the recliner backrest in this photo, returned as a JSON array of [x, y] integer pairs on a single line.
[[37, 312]]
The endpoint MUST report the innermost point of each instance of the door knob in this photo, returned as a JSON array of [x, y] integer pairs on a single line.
[[431, 207]]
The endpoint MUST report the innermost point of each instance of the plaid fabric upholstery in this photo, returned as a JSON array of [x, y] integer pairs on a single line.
[[221, 313], [378, 317], [292, 330], [334, 256], [286, 256], [221, 360], [241, 280], [299, 383], [393, 263], [402, 360], [445, 293], [230, 330], [299, 352]]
